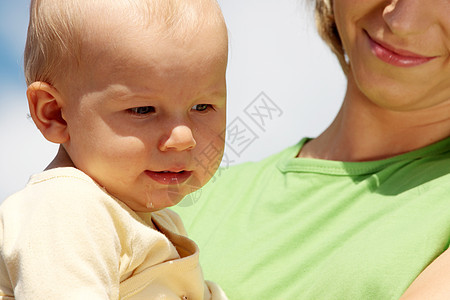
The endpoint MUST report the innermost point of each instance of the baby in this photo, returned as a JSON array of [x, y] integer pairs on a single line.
[[134, 92]]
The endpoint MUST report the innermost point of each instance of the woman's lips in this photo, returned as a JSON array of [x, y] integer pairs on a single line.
[[399, 58], [169, 178]]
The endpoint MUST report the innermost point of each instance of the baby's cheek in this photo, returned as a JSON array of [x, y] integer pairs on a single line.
[[126, 147], [116, 156]]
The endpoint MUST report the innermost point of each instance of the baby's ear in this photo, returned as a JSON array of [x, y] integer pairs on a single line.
[[45, 105]]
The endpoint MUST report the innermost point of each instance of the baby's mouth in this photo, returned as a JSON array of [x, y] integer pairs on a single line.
[[169, 177]]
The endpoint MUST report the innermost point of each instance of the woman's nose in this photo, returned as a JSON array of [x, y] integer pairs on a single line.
[[180, 139], [407, 17]]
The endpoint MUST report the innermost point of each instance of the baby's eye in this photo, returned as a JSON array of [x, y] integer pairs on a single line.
[[142, 110], [201, 107]]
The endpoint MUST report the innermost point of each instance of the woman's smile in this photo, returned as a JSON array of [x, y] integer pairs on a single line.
[[396, 57]]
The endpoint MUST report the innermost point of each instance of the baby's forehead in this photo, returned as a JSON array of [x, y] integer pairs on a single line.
[[136, 50], [119, 54]]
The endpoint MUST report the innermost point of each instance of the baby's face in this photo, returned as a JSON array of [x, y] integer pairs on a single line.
[[146, 121]]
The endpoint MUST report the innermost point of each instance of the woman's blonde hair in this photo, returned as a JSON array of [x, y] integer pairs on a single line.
[[327, 29], [57, 28]]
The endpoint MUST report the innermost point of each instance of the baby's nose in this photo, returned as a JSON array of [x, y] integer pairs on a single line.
[[181, 138]]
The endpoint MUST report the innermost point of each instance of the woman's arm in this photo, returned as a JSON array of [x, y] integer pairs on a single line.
[[433, 283]]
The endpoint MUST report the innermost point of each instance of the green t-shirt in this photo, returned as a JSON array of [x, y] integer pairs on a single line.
[[296, 228]]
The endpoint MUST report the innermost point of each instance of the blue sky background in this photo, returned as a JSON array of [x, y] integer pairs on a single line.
[[19, 141], [13, 26], [273, 49]]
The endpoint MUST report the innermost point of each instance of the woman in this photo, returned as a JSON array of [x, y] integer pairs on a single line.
[[360, 211]]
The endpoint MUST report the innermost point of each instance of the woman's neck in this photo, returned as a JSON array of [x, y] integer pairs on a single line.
[[363, 131]]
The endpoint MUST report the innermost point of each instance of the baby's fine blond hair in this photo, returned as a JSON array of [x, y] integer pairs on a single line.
[[57, 28]]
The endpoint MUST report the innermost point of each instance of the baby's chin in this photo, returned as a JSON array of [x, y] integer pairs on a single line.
[[157, 201]]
